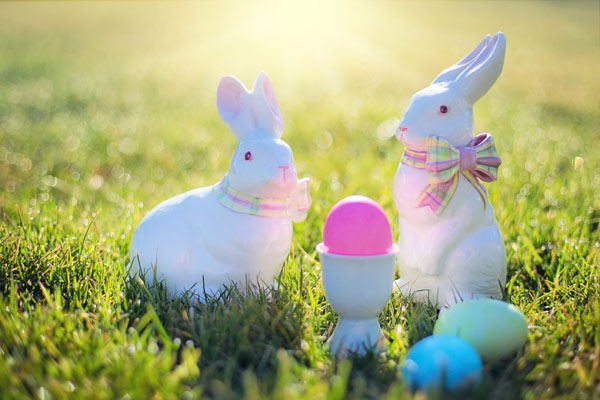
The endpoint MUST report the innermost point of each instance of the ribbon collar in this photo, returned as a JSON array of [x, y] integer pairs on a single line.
[[477, 161], [294, 207]]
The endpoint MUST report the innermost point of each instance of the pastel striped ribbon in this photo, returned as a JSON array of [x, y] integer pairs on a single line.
[[295, 207], [477, 161]]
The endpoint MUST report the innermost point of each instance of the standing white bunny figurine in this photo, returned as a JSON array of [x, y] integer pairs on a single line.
[[240, 229], [451, 248]]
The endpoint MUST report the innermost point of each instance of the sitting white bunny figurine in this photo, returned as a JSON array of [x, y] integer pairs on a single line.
[[451, 248], [240, 229]]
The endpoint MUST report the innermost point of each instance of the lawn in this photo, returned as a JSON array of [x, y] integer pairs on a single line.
[[106, 109]]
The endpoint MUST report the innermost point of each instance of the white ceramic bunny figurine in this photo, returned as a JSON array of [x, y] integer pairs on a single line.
[[240, 229], [451, 248]]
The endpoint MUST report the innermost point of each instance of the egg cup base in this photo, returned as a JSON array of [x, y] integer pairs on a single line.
[[356, 336]]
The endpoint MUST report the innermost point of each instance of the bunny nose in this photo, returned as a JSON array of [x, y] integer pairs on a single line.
[[284, 168], [400, 133]]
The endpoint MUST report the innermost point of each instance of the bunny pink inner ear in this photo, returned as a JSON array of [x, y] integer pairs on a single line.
[[478, 49], [270, 97], [230, 98], [266, 111], [450, 74], [481, 74]]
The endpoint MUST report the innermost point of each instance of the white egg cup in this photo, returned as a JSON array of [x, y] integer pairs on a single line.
[[358, 287]]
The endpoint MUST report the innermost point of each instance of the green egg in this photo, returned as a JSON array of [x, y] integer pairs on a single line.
[[494, 328]]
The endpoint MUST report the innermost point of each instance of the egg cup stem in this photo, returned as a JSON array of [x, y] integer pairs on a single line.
[[356, 336]]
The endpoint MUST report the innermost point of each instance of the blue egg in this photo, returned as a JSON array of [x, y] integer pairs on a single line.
[[442, 361]]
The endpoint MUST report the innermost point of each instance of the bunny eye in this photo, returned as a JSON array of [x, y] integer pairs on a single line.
[[443, 109], [248, 156]]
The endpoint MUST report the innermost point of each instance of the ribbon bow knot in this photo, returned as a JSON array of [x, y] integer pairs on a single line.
[[477, 161]]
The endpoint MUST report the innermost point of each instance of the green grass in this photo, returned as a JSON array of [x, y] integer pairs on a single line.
[[107, 109]]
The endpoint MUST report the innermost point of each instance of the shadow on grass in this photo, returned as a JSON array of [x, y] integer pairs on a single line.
[[236, 331]]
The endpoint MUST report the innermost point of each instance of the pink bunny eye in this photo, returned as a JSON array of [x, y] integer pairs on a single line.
[[443, 109], [248, 156]]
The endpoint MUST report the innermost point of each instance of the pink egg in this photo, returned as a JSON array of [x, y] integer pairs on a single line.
[[357, 226]]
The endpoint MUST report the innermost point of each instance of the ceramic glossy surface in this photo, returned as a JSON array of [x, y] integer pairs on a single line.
[[198, 244], [459, 254]]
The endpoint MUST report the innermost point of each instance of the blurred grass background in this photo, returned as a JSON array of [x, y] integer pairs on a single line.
[[108, 108]]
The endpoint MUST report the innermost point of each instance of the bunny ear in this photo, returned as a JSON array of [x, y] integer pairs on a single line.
[[232, 103], [482, 72], [231, 97], [266, 110], [450, 74]]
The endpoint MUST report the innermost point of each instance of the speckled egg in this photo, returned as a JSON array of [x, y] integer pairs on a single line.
[[442, 362], [495, 328]]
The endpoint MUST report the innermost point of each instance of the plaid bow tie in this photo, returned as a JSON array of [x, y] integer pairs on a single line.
[[295, 207], [477, 161]]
